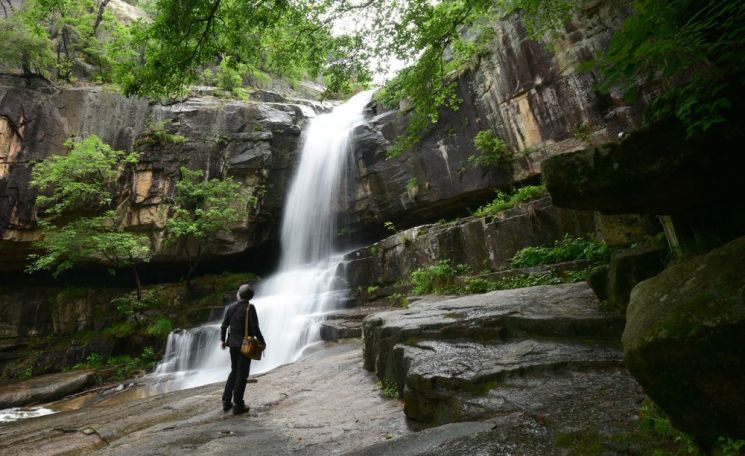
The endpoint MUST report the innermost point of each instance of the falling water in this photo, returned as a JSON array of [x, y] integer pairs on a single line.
[[291, 303]]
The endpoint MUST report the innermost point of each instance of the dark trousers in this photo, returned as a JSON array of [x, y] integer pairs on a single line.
[[236, 384]]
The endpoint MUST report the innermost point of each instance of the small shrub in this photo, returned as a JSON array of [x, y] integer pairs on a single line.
[[372, 289], [122, 329], [228, 78], [160, 327], [389, 389], [505, 201], [92, 361], [155, 134], [493, 152], [398, 300], [567, 249], [440, 278], [27, 372], [412, 184], [129, 305], [390, 226]]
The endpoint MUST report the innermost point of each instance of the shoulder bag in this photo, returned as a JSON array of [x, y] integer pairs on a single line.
[[251, 347]]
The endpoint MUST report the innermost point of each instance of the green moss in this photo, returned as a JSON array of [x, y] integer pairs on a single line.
[[582, 443]]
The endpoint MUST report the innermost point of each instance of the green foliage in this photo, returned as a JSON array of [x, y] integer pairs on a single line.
[[88, 239], [124, 329], [155, 134], [372, 289], [434, 32], [76, 224], [566, 249], [76, 31], [390, 226], [124, 366], [24, 48], [92, 361], [398, 300], [389, 389], [27, 372], [161, 327], [83, 178], [653, 421], [411, 184], [439, 278], [203, 208], [288, 38], [129, 305], [690, 50], [228, 78], [493, 152], [505, 201]]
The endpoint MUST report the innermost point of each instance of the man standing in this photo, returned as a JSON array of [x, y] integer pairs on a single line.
[[235, 319]]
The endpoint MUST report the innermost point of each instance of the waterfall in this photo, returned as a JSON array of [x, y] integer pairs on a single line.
[[291, 303]]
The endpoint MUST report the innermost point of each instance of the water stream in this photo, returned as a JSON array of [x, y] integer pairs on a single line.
[[292, 302]]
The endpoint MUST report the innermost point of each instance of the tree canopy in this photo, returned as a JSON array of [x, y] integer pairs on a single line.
[[77, 221], [202, 209]]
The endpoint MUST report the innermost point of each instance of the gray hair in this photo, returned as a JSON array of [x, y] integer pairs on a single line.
[[244, 292]]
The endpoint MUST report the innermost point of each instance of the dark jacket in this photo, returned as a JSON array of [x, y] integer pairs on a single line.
[[235, 319]]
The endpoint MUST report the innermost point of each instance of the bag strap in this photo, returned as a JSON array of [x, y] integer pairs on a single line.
[[248, 316]]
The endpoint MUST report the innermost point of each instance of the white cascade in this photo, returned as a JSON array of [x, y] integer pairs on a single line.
[[291, 303]]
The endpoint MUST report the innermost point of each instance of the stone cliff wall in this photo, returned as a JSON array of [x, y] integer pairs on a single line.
[[255, 142], [530, 94]]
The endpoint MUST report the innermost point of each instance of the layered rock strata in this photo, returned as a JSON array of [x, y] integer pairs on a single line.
[[482, 243], [543, 357], [254, 142], [530, 94]]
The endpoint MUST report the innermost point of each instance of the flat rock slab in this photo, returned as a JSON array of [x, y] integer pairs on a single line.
[[447, 382], [43, 388], [549, 311], [461, 364], [325, 404]]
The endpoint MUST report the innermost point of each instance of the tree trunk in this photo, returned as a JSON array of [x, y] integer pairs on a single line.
[[99, 17], [138, 284]]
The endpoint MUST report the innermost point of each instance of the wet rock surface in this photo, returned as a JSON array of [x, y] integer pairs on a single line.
[[532, 371], [545, 311], [326, 404], [684, 342], [43, 388]]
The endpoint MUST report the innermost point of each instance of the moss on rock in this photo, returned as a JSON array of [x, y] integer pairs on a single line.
[[684, 342]]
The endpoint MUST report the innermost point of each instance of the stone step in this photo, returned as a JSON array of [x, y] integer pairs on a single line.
[[450, 381], [549, 311], [346, 323]]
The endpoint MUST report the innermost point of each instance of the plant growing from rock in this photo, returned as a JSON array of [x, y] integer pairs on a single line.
[[567, 249], [493, 152], [203, 208], [76, 215], [505, 201], [439, 278]]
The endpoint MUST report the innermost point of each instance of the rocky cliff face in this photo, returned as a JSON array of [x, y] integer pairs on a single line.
[[255, 142], [531, 94]]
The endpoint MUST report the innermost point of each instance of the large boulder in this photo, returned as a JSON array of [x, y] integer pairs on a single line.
[[684, 342]]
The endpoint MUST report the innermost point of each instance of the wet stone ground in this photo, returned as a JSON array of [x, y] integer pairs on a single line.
[[534, 371]]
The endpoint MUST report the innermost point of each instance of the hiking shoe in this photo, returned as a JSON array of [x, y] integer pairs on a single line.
[[239, 409], [226, 406]]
